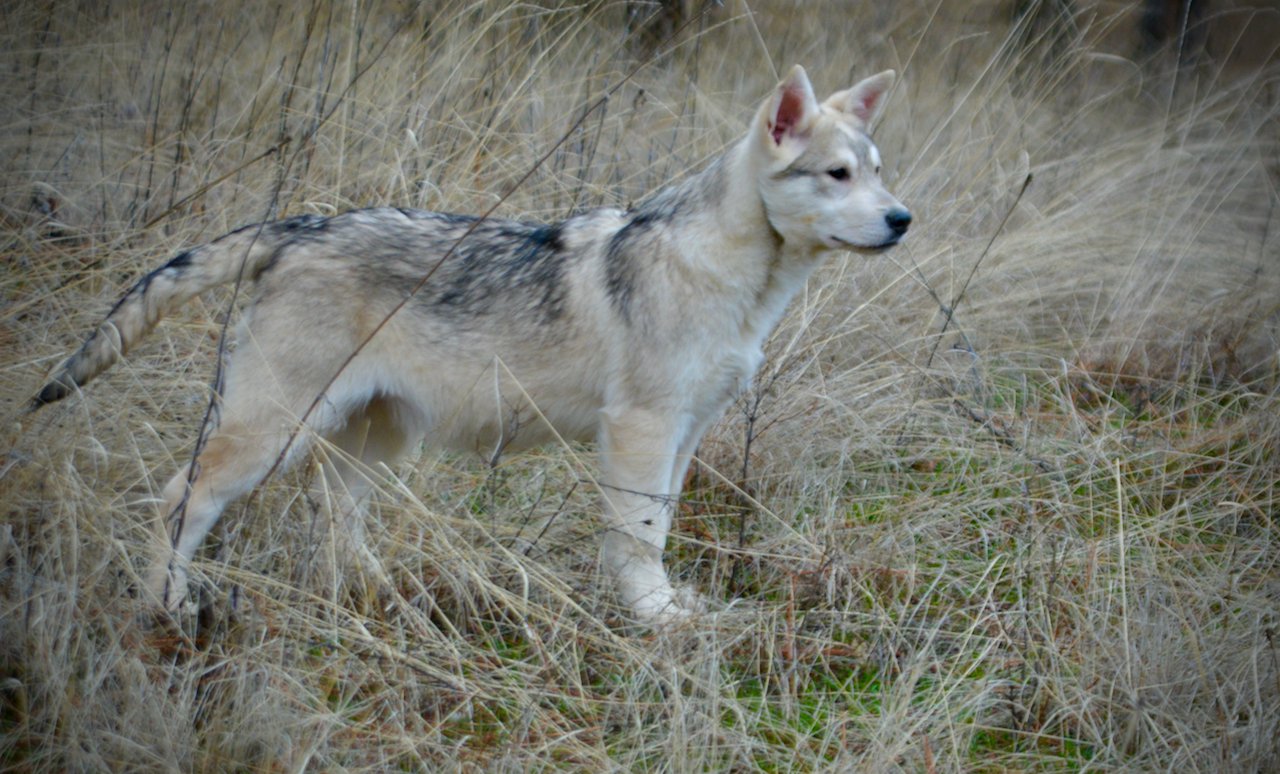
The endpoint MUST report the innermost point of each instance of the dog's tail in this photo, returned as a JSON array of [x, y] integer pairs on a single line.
[[244, 253]]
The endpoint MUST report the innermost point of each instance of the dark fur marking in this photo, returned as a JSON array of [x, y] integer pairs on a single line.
[[242, 229], [180, 261], [627, 249], [301, 222], [453, 218], [414, 214], [299, 229], [174, 268], [51, 393], [503, 256], [619, 270], [622, 270]]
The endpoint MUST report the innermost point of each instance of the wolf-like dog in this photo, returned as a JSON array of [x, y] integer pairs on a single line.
[[634, 329]]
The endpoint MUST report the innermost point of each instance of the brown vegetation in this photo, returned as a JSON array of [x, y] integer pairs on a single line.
[[1004, 498]]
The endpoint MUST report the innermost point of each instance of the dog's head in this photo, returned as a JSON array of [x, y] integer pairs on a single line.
[[819, 172]]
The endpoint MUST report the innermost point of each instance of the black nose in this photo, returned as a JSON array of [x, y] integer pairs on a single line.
[[898, 219]]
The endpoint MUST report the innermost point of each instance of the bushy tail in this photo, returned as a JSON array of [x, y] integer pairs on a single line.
[[243, 253]]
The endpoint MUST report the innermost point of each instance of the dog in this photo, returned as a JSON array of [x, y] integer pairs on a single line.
[[634, 328]]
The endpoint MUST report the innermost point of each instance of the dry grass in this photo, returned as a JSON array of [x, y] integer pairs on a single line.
[[1037, 533]]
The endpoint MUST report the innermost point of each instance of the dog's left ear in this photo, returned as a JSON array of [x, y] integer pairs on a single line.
[[862, 100]]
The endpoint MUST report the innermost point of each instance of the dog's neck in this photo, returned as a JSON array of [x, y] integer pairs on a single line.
[[724, 200], [773, 270]]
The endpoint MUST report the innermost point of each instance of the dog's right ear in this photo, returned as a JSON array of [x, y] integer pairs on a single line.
[[789, 113]]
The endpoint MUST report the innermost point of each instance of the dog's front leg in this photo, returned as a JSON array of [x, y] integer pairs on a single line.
[[638, 454]]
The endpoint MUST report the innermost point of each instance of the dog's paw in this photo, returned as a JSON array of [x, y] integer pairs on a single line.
[[166, 587], [690, 600], [672, 608]]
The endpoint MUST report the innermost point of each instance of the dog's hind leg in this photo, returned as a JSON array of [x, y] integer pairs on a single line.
[[235, 458], [380, 433]]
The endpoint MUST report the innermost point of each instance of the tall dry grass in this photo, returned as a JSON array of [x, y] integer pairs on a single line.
[[1002, 499]]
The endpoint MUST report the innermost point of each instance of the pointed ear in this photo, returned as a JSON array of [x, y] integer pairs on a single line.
[[862, 100], [792, 107]]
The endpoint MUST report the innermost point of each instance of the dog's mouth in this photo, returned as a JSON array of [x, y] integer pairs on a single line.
[[867, 249]]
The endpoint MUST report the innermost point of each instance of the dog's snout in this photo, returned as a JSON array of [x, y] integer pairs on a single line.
[[898, 220]]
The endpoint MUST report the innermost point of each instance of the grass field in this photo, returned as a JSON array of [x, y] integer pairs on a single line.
[[1003, 499]]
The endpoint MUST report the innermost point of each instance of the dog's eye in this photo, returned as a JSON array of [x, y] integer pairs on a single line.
[[839, 173]]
